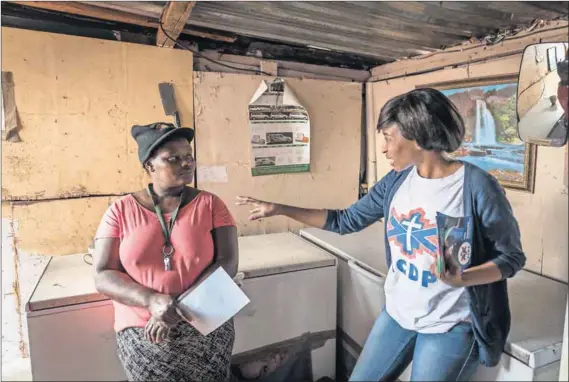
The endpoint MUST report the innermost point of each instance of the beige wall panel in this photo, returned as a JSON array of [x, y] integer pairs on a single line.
[[61, 227], [77, 99], [223, 140]]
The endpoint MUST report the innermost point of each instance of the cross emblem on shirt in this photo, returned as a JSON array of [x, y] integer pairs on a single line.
[[413, 233]]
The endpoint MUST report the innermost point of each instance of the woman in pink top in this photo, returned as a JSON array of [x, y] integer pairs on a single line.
[[153, 245]]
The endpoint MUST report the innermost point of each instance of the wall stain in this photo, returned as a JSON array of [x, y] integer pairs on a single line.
[[17, 292]]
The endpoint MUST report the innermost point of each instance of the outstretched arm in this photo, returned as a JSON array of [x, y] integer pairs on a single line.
[[358, 216]]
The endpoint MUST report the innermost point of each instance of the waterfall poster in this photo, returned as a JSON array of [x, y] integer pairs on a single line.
[[491, 141]]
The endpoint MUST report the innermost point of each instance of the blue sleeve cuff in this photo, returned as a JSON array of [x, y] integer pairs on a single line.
[[331, 221], [505, 268]]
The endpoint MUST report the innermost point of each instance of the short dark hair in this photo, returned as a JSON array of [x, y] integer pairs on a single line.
[[426, 116]]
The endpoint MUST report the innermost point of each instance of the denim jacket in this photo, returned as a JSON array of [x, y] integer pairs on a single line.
[[496, 237]]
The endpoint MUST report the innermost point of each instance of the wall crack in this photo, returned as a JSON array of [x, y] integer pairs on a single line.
[[16, 287], [17, 200]]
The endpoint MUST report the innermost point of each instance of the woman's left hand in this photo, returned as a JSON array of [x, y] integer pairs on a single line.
[[156, 331], [453, 278]]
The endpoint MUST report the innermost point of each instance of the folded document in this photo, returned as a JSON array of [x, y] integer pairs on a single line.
[[213, 302]]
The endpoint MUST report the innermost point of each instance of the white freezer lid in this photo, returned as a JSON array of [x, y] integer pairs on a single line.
[[68, 280], [263, 255], [538, 308], [537, 304], [366, 246]]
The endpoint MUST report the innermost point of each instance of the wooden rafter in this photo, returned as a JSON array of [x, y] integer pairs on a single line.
[[173, 20], [87, 10]]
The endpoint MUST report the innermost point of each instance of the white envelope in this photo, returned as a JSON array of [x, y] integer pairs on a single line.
[[212, 303]]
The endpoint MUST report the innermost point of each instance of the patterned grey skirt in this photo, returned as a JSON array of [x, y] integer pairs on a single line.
[[186, 355]]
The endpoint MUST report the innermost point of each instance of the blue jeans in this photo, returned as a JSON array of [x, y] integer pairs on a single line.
[[389, 349]]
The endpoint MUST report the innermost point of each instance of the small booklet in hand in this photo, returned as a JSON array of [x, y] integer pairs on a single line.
[[455, 244], [213, 302]]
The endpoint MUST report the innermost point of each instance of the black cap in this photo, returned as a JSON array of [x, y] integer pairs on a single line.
[[150, 137]]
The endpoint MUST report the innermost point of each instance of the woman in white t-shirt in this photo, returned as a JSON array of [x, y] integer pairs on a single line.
[[445, 316]]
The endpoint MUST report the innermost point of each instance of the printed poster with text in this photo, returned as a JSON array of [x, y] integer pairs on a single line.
[[280, 131]]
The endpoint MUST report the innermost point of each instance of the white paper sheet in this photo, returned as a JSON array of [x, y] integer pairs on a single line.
[[212, 174], [212, 303]]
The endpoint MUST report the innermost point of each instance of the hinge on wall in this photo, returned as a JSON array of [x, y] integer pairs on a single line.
[[363, 190]]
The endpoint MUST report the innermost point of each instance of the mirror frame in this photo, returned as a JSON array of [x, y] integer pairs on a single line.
[[537, 141]]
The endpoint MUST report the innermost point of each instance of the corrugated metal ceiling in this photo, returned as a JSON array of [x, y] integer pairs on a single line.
[[386, 31]]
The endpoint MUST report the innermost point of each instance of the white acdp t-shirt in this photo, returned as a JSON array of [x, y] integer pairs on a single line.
[[415, 298]]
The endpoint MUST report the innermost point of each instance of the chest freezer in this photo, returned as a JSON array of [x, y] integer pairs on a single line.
[[290, 323], [537, 304]]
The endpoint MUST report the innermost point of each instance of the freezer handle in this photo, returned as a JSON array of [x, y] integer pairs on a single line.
[[356, 267]]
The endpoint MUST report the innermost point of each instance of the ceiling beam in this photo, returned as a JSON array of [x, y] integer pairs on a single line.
[[174, 17], [86, 10]]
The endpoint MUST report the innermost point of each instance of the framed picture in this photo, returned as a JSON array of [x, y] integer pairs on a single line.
[[491, 142]]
